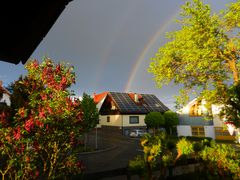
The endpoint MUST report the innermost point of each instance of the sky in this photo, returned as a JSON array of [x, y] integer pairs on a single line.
[[110, 44]]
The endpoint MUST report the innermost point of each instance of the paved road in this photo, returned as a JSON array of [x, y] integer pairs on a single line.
[[118, 151]]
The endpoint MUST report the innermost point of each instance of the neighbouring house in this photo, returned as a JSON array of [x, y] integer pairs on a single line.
[[196, 120], [122, 112], [5, 95], [4, 102]]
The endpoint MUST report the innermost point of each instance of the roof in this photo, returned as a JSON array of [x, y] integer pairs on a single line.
[[98, 97], [24, 24], [127, 105]]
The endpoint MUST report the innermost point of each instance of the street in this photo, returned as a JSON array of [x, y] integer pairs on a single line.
[[119, 150]]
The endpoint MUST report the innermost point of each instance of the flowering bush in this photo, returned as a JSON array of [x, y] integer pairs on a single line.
[[42, 139]]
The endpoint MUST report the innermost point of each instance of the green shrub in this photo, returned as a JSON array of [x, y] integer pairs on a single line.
[[137, 166], [184, 147], [195, 138], [221, 160]]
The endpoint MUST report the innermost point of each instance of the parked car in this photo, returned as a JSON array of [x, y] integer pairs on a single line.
[[137, 133]]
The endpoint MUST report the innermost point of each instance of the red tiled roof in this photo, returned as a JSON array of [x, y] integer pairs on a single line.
[[98, 97]]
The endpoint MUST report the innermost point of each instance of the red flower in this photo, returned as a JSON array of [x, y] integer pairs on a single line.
[[41, 114], [21, 112], [47, 127], [39, 123], [58, 68], [49, 110], [37, 173], [29, 125], [17, 133], [44, 97]]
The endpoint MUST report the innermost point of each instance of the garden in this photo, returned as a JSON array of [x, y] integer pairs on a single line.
[[164, 155]]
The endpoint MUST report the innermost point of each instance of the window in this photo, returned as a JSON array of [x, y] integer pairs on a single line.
[[133, 120], [108, 118], [223, 134], [198, 131]]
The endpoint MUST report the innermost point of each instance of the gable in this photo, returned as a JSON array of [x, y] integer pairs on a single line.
[[108, 106]]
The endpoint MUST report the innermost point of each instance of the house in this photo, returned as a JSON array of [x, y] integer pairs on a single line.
[[125, 111], [4, 102], [5, 99], [196, 120]]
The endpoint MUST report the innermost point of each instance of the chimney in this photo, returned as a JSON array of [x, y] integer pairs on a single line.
[[136, 98]]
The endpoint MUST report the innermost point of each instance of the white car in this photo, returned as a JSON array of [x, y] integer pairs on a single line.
[[137, 133]]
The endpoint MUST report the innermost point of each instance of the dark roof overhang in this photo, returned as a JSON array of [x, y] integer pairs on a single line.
[[24, 24]]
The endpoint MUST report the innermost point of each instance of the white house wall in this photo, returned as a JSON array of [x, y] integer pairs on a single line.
[[115, 120], [6, 99], [187, 131], [209, 131], [127, 117], [217, 121], [184, 130], [120, 120]]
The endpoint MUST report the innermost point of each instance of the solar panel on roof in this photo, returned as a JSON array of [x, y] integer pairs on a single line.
[[153, 103], [125, 103]]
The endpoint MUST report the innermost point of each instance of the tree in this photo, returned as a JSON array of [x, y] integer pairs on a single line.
[[203, 55], [90, 115], [19, 95], [43, 139], [171, 119], [154, 120]]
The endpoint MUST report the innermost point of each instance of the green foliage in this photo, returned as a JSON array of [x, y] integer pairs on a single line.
[[151, 147], [137, 165], [203, 55], [221, 160], [171, 118], [90, 115], [19, 95], [167, 159], [195, 138], [184, 147], [154, 120], [232, 108]]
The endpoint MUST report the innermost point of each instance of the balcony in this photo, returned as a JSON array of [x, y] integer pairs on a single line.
[[185, 119]]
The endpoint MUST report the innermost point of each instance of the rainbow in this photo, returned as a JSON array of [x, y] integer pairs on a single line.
[[110, 44], [146, 49]]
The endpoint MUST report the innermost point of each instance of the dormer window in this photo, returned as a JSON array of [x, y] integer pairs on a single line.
[[137, 98]]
